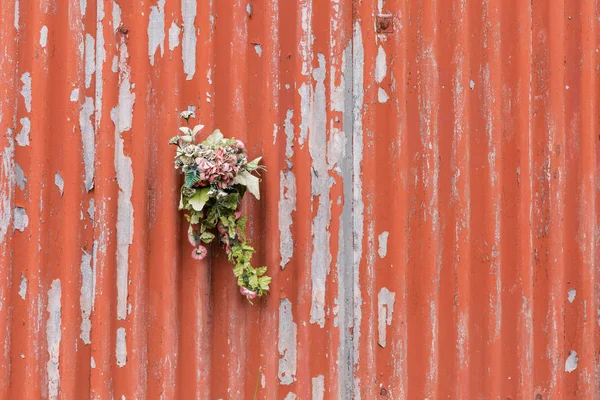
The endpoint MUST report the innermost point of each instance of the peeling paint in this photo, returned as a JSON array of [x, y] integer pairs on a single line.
[[338, 93], [321, 183], [74, 95], [59, 182], [83, 7], [22, 137], [53, 337], [385, 309], [86, 299], [88, 141], [289, 136], [188, 45], [100, 60], [156, 30], [571, 362], [571, 293], [174, 32], [20, 178], [6, 184], [318, 388], [23, 287], [90, 59], [380, 65], [116, 16], [287, 343], [43, 36], [304, 92], [91, 209], [122, 116], [290, 396], [383, 242], [287, 205], [26, 90], [382, 96], [121, 351], [92, 362], [258, 49], [472, 84], [357, 196], [21, 221], [16, 19]]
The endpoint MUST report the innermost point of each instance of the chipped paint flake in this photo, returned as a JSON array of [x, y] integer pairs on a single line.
[[116, 15], [290, 396], [86, 298], [91, 210], [287, 343], [385, 309], [304, 92], [258, 49], [21, 220], [121, 351], [100, 60], [22, 137], [572, 293], [26, 90], [156, 30], [289, 136], [571, 362], [383, 242], [321, 183], [88, 141], [318, 387], [472, 84], [380, 65], [382, 96], [53, 336], [287, 205], [122, 117], [59, 182], [174, 32], [23, 287], [43, 36], [90, 59], [188, 44], [83, 7]]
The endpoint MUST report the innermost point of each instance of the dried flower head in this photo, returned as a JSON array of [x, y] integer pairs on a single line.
[[187, 115]]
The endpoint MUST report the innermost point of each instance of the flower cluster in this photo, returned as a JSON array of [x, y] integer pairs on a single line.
[[217, 175]]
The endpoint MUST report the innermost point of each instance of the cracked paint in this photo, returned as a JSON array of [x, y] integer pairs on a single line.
[[286, 344]]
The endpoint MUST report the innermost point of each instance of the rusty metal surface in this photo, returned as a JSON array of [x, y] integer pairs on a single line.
[[429, 213]]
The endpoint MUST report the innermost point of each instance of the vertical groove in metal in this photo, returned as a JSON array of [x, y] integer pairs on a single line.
[[429, 211]]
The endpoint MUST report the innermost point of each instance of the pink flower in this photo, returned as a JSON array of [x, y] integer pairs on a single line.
[[222, 230], [240, 145], [199, 253], [248, 293], [193, 239]]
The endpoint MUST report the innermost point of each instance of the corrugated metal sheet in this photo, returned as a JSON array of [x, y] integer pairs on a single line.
[[429, 214]]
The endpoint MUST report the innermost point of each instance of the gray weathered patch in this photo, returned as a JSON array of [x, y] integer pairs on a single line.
[[74, 95], [16, 18], [59, 182], [571, 362], [188, 44], [286, 343], [121, 351], [287, 205], [383, 242], [174, 32], [88, 141], [156, 30], [53, 336], [380, 65], [122, 117], [91, 209], [21, 221], [23, 287], [90, 59], [22, 137], [382, 96], [385, 310], [20, 178], [571, 293], [318, 388], [44, 36], [6, 185], [26, 90], [86, 298]]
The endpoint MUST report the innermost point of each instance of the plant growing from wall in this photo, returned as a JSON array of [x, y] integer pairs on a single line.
[[217, 174]]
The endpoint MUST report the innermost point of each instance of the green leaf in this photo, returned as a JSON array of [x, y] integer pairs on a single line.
[[261, 271], [207, 237], [191, 178], [230, 201], [263, 282], [253, 165], [186, 130], [250, 181], [238, 270], [199, 199], [215, 138], [253, 281], [195, 218]]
